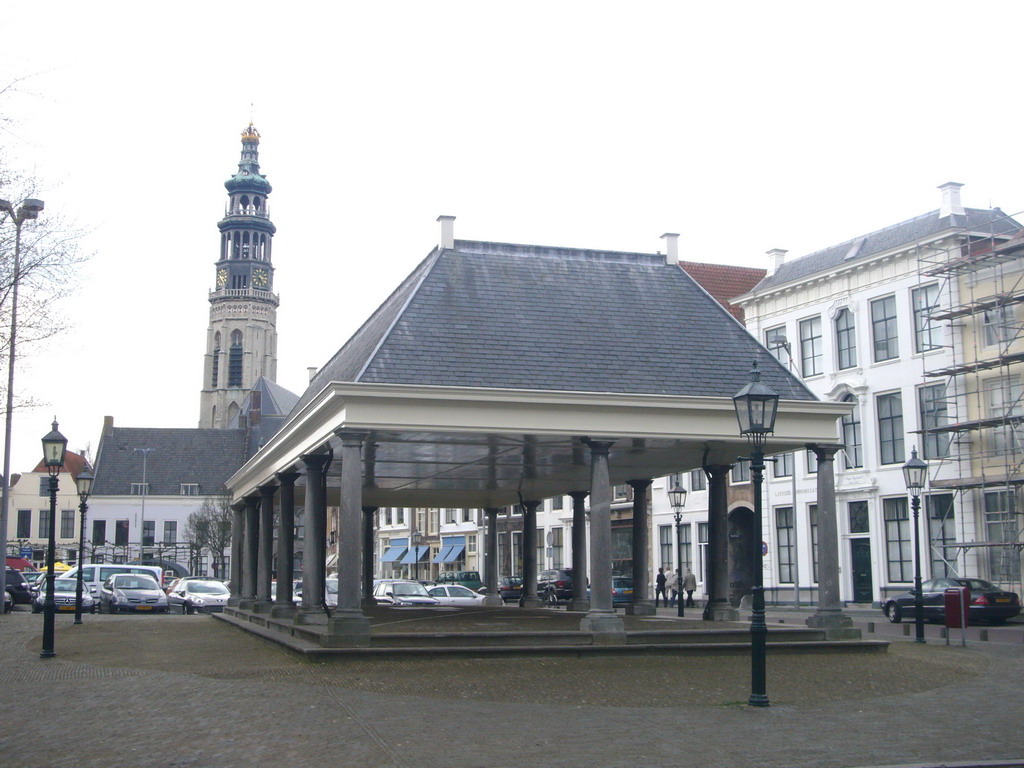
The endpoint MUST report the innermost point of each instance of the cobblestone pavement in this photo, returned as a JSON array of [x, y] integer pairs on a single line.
[[189, 691]]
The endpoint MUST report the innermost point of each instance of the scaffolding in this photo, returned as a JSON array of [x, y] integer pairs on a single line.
[[973, 433]]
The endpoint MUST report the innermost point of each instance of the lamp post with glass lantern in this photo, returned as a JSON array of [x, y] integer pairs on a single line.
[[915, 474], [415, 539], [84, 484], [677, 498], [54, 446], [756, 406]]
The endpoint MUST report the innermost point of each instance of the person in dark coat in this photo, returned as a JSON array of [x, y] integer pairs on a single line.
[[659, 588]]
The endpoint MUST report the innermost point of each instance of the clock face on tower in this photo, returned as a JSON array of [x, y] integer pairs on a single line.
[[222, 278], [260, 278]]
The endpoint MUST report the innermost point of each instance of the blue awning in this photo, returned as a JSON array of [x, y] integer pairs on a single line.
[[414, 555], [442, 554], [453, 553], [392, 554]]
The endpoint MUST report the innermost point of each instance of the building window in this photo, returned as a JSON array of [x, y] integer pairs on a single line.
[[927, 334], [897, 539], [140, 489], [517, 553], [812, 514], [558, 503], [620, 493], [67, 523], [740, 472], [1001, 526], [1003, 399], [784, 542], [24, 524], [998, 324], [884, 329], [235, 359], [775, 340], [685, 558], [698, 480], [702, 542], [890, 428], [121, 533], [44, 523], [170, 531], [148, 532], [556, 547], [846, 339], [858, 514], [812, 462], [810, 346], [853, 453], [471, 543], [190, 489], [44, 486], [99, 532], [941, 534], [449, 516], [539, 554], [783, 465], [665, 546], [931, 401], [400, 516], [675, 480]]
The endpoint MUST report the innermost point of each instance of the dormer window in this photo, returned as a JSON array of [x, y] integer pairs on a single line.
[[190, 489]]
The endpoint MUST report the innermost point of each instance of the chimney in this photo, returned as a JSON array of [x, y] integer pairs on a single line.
[[108, 426], [447, 232], [671, 248], [776, 258], [950, 200], [311, 370]]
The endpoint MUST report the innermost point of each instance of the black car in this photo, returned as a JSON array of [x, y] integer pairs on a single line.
[[509, 588], [555, 586], [988, 602], [18, 588]]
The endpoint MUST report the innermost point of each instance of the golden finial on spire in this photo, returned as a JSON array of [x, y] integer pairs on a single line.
[[251, 134]]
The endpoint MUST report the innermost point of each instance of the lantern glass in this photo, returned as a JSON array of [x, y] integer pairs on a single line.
[[54, 447], [677, 497], [84, 484], [756, 406], [915, 473]]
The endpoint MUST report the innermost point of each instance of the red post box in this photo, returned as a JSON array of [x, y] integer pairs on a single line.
[[957, 601]]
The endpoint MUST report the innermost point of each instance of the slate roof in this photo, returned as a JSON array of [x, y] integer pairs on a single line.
[[532, 317], [989, 221], [262, 422], [724, 282], [205, 456]]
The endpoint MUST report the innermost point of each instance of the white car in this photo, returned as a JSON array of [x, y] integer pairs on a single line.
[[455, 594], [402, 593], [199, 595]]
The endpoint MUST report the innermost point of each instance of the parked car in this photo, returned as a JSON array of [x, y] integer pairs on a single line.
[[8, 602], [35, 579], [469, 579], [455, 594], [510, 588], [94, 575], [988, 602], [132, 592], [198, 596], [555, 586], [18, 588], [64, 594], [296, 598], [622, 590], [393, 592]]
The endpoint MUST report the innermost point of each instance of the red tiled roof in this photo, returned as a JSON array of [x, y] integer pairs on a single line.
[[73, 463], [724, 282]]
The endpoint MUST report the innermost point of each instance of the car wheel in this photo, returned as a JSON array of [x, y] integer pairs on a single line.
[[893, 612]]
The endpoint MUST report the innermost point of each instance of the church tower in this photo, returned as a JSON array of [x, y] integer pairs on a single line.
[[241, 342]]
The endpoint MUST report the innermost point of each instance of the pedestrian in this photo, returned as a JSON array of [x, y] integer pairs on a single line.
[[659, 588], [689, 584], [672, 587]]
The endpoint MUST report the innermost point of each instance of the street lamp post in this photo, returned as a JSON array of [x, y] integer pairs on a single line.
[[54, 446], [84, 484], [142, 512], [29, 209], [756, 407], [915, 474], [677, 498], [415, 539]]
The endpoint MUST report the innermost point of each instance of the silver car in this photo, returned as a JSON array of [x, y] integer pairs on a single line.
[[402, 593], [199, 596], [64, 592], [134, 592]]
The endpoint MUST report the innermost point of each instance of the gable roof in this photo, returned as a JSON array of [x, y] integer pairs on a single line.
[[724, 282], [265, 408], [500, 315], [922, 228], [204, 456]]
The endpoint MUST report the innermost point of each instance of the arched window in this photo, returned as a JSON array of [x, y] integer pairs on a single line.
[[215, 368], [235, 360], [854, 454]]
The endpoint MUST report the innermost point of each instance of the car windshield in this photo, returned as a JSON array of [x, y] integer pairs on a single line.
[[406, 590], [65, 585], [134, 582], [207, 588], [622, 583]]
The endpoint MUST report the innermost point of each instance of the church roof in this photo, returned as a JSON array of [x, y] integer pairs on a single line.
[[499, 315], [204, 456]]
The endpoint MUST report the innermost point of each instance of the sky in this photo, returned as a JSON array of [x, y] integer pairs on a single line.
[[743, 126]]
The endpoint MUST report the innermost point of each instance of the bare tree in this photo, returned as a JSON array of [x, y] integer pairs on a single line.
[[209, 528]]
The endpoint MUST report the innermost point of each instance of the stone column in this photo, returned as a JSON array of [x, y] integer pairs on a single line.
[[265, 558], [641, 605], [491, 558], [283, 603], [579, 552], [530, 598], [369, 514], [313, 566], [716, 585], [829, 615], [601, 618], [237, 537], [250, 551], [348, 626]]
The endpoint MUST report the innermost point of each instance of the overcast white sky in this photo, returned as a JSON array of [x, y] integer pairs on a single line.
[[742, 126]]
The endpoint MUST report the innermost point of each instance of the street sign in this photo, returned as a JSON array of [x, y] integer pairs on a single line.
[[26, 552]]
